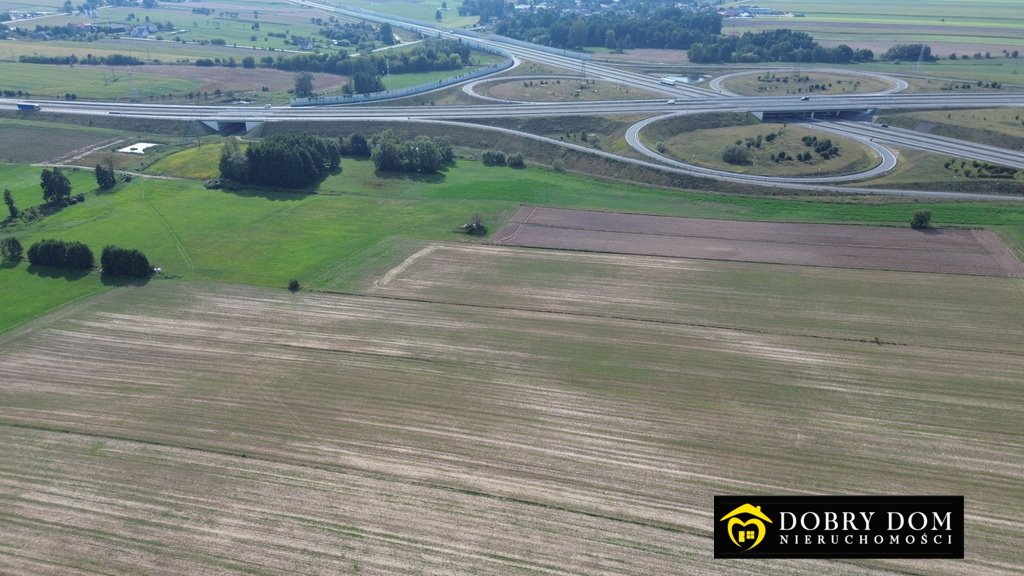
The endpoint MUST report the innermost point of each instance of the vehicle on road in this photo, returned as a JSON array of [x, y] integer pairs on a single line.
[[29, 107], [805, 97], [885, 125], [670, 102]]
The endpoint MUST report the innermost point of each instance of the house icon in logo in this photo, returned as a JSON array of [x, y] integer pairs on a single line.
[[750, 530]]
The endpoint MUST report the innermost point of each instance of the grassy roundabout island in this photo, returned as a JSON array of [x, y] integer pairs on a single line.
[[773, 150], [781, 83], [562, 90]]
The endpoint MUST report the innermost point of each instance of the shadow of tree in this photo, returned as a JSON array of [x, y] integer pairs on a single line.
[[108, 280], [435, 178], [65, 273]]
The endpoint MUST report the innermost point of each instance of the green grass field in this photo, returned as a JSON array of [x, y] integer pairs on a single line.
[[359, 221], [87, 82], [1002, 127]]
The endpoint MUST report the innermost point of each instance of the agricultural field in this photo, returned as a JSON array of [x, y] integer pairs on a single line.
[[973, 252], [232, 23], [562, 90], [949, 26], [789, 83], [704, 148], [238, 429], [49, 142]]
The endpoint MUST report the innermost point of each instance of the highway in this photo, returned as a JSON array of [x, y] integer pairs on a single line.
[[822, 111], [822, 106]]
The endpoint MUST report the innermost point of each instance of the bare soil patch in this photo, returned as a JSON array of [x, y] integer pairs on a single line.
[[972, 252], [646, 56]]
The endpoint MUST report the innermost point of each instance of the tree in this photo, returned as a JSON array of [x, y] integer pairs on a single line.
[[609, 39], [234, 164], [68, 7], [10, 249], [515, 160], [922, 219], [294, 285], [105, 178], [9, 200], [360, 146], [437, 15], [304, 85], [56, 186], [248, 62], [387, 34]]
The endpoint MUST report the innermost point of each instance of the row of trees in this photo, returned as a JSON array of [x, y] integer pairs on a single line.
[[774, 46], [77, 256], [394, 152], [666, 27], [111, 60], [285, 160]]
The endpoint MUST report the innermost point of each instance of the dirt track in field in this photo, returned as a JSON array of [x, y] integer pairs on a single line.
[[973, 252]]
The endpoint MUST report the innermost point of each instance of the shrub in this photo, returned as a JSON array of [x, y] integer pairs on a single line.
[[735, 155], [10, 249], [492, 158], [516, 161], [293, 285], [922, 219], [117, 261]]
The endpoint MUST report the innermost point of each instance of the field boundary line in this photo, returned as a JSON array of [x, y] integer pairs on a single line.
[[390, 274], [147, 198]]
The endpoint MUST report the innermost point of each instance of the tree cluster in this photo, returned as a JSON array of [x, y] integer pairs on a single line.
[[132, 263], [911, 52], [90, 60], [60, 254], [428, 56], [773, 46], [393, 152], [286, 160], [665, 27]]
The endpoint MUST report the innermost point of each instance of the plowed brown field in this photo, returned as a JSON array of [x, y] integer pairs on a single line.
[[185, 428], [974, 252]]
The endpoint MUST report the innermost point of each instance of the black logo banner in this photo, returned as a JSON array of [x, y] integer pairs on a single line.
[[839, 526]]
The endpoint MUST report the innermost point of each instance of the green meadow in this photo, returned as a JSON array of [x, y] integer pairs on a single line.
[[360, 221]]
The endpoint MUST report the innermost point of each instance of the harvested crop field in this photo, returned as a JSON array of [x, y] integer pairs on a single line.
[[974, 252], [197, 428]]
